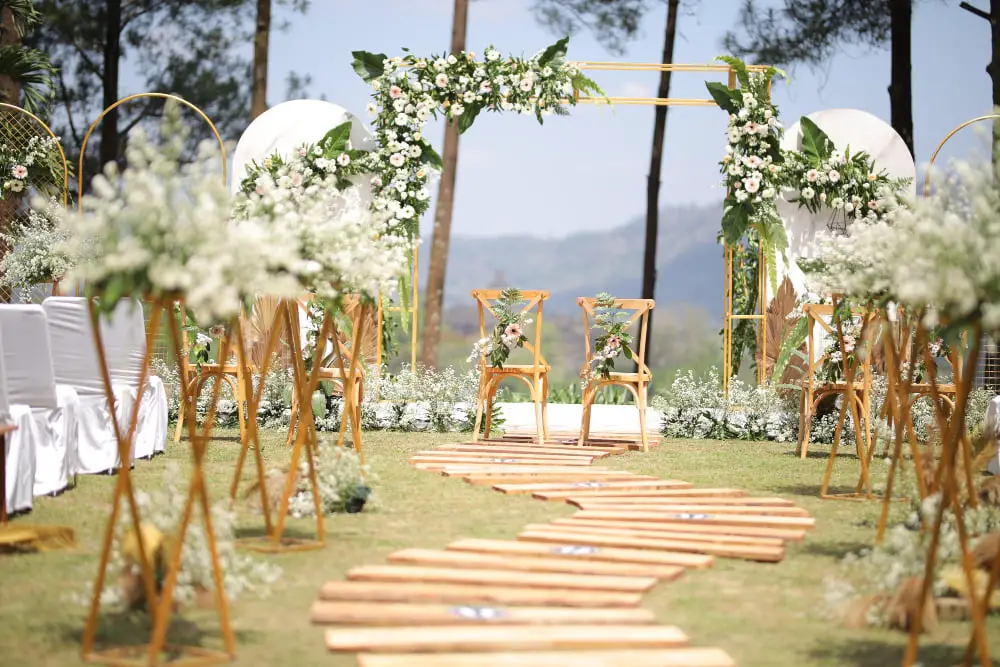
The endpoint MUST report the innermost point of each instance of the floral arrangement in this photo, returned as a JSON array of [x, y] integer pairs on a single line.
[[753, 165], [410, 90], [162, 230], [614, 340], [936, 258], [847, 184], [344, 483], [19, 165], [842, 351], [37, 249], [508, 333], [162, 511], [345, 247]]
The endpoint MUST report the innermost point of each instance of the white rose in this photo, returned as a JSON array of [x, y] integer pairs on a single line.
[[752, 184], [372, 109], [834, 176], [399, 106], [397, 160], [343, 159], [808, 193], [441, 80]]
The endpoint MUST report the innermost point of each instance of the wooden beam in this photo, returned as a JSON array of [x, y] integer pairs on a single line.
[[396, 614], [755, 553], [381, 591], [503, 638], [685, 518], [427, 574], [679, 657], [573, 550]]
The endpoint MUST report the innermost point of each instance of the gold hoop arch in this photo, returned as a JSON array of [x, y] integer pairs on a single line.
[[62, 153], [930, 164], [164, 96]]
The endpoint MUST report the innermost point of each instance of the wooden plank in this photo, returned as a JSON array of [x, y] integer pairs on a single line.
[[804, 523], [502, 460], [489, 452], [611, 493], [740, 510], [679, 500], [640, 530], [503, 638], [577, 487], [393, 614], [527, 449], [416, 574], [574, 551], [745, 552], [458, 469], [382, 591], [678, 657], [610, 447], [551, 478], [469, 559], [785, 534]]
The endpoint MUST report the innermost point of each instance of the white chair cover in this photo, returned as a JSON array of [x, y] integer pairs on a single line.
[[124, 337], [19, 452], [993, 430], [30, 382], [76, 364]]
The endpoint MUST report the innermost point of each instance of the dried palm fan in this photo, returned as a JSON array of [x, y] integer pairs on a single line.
[[780, 330], [989, 491], [274, 483], [900, 608], [156, 546], [369, 339], [259, 325], [985, 551], [17, 538]]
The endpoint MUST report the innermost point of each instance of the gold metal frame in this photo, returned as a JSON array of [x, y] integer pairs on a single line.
[[62, 156], [159, 603], [729, 318]]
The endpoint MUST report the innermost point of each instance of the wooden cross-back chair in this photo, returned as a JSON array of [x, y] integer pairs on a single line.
[[233, 371], [637, 383], [361, 338], [535, 374], [855, 390]]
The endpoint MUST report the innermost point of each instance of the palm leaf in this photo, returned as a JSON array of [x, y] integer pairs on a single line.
[[24, 15], [779, 328], [258, 329], [33, 72]]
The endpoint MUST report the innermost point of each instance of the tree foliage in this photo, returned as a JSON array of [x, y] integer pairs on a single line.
[[27, 73], [185, 47], [807, 31], [613, 22]]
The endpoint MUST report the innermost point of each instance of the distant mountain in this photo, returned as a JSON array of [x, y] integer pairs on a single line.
[[689, 263]]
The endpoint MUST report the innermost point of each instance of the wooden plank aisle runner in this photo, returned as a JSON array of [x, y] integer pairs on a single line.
[[562, 593]]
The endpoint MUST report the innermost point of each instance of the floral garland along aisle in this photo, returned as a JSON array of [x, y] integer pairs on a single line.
[[408, 91]]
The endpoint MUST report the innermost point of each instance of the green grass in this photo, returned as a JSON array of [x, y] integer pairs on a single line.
[[766, 615]]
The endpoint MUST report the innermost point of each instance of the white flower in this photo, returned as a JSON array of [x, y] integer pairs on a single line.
[[399, 106], [767, 193], [401, 120], [372, 109], [457, 110], [752, 184], [834, 176], [441, 80], [15, 186], [741, 195], [808, 193], [397, 160], [492, 55], [395, 92], [812, 175], [19, 171]]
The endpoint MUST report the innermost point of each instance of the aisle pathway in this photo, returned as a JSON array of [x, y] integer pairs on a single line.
[[567, 592]]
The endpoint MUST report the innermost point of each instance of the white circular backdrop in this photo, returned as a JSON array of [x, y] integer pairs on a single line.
[[286, 126], [860, 131]]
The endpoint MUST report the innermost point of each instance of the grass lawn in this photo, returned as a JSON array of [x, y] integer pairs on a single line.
[[764, 615]]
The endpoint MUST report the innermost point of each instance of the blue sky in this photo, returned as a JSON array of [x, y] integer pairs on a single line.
[[588, 171]]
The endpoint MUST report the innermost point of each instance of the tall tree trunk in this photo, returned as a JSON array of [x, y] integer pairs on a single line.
[[258, 93], [10, 89], [901, 81], [112, 56], [655, 167], [434, 300]]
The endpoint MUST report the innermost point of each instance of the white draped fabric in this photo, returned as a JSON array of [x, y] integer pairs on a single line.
[[76, 363], [993, 430], [124, 338], [19, 452], [30, 381]]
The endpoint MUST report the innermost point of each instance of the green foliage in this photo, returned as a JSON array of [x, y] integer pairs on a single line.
[[793, 341], [614, 338], [29, 68], [816, 145], [613, 22], [202, 60]]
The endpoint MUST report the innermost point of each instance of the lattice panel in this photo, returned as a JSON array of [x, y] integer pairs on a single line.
[[19, 130]]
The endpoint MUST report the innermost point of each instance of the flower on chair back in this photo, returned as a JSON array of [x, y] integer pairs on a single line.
[[508, 332], [614, 341]]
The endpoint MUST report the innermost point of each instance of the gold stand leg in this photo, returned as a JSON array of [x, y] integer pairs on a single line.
[[160, 604]]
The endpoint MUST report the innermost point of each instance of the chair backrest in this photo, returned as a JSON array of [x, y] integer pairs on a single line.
[[637, 311], [533, 300], [354, 310], [28, 360], [822, 317], [74, 350], [124, 338]]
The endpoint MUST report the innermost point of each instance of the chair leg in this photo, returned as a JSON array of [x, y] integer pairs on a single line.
[[480, 398], [491, 397], [587, 398], [241, 412], [641, 404], [537, 395], [805, 424], [291, 423], [545, 407]]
